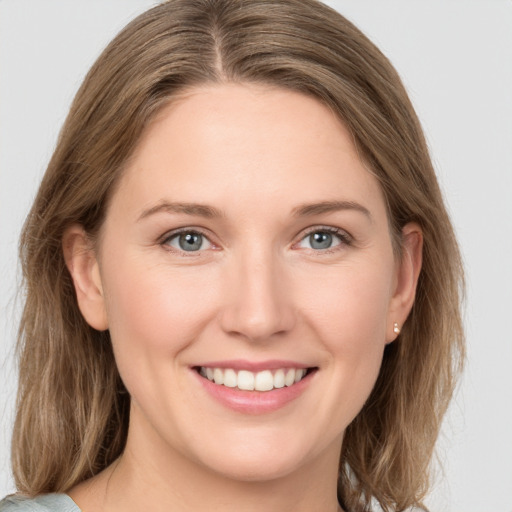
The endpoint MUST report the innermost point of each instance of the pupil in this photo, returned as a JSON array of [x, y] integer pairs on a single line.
[[321, 240], [190, 241]]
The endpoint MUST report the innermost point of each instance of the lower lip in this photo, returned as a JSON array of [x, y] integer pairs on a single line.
[[254, 402]]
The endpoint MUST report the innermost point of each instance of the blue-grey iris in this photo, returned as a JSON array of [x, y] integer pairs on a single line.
[[190, 241], [320, 240]]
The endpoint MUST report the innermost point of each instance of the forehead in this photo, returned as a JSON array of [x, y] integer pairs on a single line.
[[224, 142]]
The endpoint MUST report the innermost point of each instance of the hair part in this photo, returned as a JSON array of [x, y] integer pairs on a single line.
[[72, 409]]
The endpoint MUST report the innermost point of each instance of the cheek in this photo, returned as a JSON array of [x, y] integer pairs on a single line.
[[348, 311], [349, 304], [154, 312]]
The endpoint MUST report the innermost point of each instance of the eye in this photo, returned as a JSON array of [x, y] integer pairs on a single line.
[[323, 239], [188, 241]]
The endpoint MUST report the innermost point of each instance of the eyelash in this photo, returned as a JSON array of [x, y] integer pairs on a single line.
[[346, 240], [165, 241]]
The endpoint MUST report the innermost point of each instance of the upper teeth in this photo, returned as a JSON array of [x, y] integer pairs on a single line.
[[265, 380]]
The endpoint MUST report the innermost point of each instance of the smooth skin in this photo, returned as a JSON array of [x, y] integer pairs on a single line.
[[257, 176]]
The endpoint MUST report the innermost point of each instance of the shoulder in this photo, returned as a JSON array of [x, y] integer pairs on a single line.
[[43, 503]]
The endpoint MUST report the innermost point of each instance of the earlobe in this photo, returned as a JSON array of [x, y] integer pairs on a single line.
[[82, 264], [408, 271]]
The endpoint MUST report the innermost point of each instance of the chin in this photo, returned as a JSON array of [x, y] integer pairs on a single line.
[[248, 469], [264, 459]]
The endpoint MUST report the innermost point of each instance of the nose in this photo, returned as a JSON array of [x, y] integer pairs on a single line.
[[259, 305]]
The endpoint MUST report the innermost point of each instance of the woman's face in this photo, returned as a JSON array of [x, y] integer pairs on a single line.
[[246, 243]]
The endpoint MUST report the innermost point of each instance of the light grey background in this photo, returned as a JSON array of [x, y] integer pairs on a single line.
[[455, 57]]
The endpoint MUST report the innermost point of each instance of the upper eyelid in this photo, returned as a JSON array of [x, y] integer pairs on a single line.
[[178, 231], [330, 229]]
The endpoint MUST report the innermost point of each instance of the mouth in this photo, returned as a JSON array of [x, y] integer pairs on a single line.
[[261, 381]]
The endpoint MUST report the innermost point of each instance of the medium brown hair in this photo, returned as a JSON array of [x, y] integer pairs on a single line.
[[73, 409]]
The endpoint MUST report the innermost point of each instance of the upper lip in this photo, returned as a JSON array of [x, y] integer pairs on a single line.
[[253, 366]]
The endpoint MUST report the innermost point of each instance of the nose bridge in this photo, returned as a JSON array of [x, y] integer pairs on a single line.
[[259, 305]]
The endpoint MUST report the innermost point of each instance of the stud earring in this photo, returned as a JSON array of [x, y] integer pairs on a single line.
[[396, 329]]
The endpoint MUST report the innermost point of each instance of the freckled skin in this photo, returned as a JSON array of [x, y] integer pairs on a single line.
[[256, 291]]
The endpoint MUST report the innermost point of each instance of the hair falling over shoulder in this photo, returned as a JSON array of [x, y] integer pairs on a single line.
[[72, 408]]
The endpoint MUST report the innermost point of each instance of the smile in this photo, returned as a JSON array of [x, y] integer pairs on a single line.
[[245, 380], [254, 387]]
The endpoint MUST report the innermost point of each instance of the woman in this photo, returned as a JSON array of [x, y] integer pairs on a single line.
[[242, 283]]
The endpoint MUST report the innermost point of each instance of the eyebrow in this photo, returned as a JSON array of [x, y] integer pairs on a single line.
[[196, 209], [311, 209], [209, 212]]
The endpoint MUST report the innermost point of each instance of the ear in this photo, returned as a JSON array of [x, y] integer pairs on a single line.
[[407, 273], [82, 264]]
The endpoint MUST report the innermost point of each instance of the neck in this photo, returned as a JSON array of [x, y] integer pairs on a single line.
[[183, 487], [152, 476]]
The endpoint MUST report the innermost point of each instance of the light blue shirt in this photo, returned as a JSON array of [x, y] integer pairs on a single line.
[[43, 503]]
